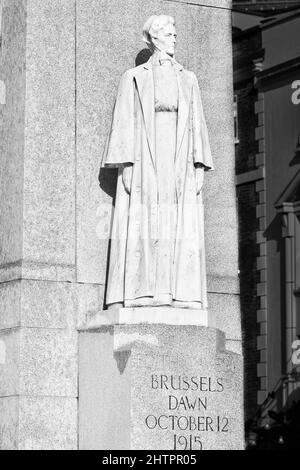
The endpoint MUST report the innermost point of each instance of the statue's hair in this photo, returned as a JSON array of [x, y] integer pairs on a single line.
[[153, 25]]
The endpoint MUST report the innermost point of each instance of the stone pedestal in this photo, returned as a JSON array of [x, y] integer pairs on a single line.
[[159, 387], [147, 315]]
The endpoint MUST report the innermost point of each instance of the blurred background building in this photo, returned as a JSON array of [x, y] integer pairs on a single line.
[[266, 49]]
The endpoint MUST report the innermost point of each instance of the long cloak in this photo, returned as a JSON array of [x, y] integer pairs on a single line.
[[131, 140]]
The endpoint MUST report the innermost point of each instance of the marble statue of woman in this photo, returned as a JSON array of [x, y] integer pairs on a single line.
[[159, 142]]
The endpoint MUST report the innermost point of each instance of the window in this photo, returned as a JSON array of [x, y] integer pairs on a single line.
[[297, 267], [290, 216]]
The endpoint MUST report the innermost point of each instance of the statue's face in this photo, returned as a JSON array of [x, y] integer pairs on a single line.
[[166, 39]]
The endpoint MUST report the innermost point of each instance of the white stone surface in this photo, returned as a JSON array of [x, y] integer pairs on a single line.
[[2, 92], [147, 315], [2, 353], [39, 362], [12, 123], [9, 423], [49, 149], [125, 381], [48, 423]]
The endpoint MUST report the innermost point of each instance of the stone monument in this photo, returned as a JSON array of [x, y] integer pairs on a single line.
[[159, 143], [60, 64], [153, 372]]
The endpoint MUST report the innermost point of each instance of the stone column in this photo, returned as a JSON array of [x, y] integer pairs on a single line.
[[38, 307]]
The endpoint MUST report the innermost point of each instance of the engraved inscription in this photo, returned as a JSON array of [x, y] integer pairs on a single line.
[[187, 415]]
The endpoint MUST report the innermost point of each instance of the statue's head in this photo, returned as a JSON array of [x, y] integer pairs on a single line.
[[159, 33]]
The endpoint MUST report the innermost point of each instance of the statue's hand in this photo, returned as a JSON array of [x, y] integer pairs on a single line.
[[199, 179], [127, 178]]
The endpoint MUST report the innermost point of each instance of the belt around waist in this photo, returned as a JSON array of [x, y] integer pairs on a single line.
[[164, 110]]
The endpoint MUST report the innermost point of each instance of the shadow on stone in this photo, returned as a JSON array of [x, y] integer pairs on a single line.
[[121, 358], [142, 57], [108, 181], [108, 178]]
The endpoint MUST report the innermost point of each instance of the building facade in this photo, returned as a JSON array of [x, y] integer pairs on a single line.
[[267, 114]]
